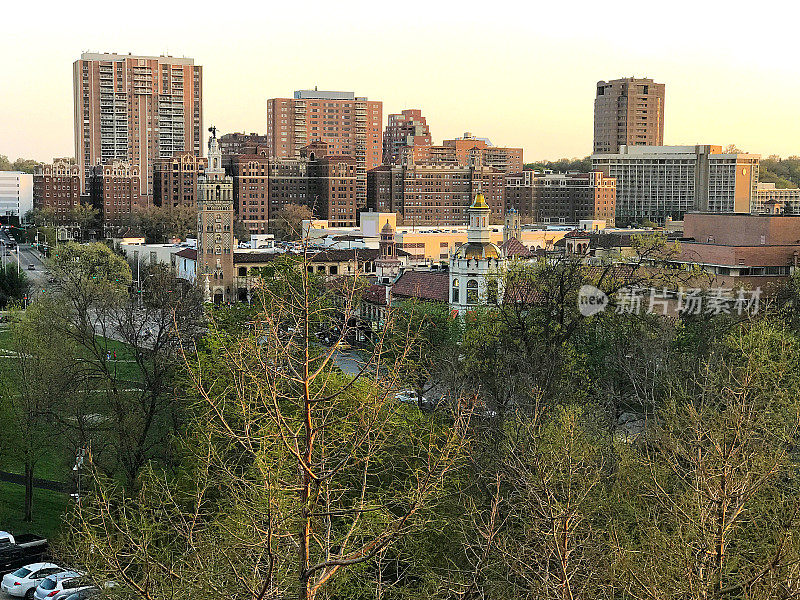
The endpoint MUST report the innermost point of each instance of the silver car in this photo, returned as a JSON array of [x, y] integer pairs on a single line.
[[59, 585]]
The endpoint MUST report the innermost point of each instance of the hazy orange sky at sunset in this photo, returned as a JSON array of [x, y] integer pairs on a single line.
[[518, 73]]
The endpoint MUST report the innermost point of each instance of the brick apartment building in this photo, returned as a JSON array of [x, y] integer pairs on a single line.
[[465, 151], [135, 109], [263, 186], [434, 193], [628, 112], [349, 125], [561, 197], [57, 187], [404, 131], [175, 179], [115, 192], [242, 143]]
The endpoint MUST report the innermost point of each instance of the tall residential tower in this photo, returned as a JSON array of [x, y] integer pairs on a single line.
[[136, 109], [628, 112]]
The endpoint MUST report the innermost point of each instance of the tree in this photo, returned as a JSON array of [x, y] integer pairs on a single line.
[[159, 223], [421, 338], [287, 222], [719, 517], [296, 476], [240, 231], [14, 285], [86, 216], [37, 379]]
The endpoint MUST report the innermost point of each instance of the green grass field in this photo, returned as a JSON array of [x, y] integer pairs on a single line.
[[48, 507], [48, 510]]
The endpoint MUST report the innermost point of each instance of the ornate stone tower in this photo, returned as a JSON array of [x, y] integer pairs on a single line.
[[476, 267], [215, 228], [388, 265], [513, 228]]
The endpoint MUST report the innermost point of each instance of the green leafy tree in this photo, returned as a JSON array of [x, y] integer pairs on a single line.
[[14, 285]]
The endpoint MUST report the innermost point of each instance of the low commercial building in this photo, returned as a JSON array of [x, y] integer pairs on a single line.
[[766, 192], [16, 195], [740, 249], [656, 182], [561, 197]]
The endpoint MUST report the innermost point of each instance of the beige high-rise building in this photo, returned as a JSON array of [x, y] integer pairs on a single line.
[[348, 124], [628, 112], [136, 109]]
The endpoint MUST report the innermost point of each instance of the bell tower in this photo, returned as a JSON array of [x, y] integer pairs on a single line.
[[215, 228]]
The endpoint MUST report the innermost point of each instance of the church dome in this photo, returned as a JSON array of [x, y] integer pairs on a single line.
[[480, 202], [478, 250], [387, 228]]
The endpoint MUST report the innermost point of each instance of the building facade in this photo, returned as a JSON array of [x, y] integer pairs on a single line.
[[469, 149], [656, 182], [434, 193], [628, 112], [175, 179], [561, 197], [348, 125], [136, 109], [766, 192], [57, 187], [475, 266], [114, 191], [242, 143], [404, 131], [215, 241], [16, 195]]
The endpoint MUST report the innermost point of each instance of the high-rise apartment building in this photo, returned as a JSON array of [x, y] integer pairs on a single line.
[[469, 147], [16, 195], [349, 125], [656, 182], [136, 109], [628, 112], [57, 188], [175, 179], [561, 197], [434, 194], [405, 130]]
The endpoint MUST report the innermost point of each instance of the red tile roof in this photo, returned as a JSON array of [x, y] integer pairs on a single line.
[[425, 285], [513, 248], [189, 253]]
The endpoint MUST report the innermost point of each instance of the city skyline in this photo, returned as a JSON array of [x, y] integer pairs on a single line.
[[494, 78]]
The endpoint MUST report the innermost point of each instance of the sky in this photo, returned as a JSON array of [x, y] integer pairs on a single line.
[[519, 73]]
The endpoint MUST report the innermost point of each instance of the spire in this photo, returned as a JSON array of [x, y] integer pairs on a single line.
[[479, 230]]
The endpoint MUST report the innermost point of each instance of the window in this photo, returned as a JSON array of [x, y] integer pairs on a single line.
[[455, 290], [472, 292]]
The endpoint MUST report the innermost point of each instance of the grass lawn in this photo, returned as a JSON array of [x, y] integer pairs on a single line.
[[48, 510], [48, 507]]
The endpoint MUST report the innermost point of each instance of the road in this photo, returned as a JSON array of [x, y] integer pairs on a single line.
[[27, 257]]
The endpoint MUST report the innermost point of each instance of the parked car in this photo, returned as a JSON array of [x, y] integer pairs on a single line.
[[410, 396], [60, 585], [84, 594], [31, 267], [18, 551], [23, 582]]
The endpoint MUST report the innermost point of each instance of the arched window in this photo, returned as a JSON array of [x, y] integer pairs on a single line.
[[455, 290], [472, 291]]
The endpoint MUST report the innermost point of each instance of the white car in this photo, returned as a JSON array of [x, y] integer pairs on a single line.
[[23, 582], [61, 585], [410, 397]]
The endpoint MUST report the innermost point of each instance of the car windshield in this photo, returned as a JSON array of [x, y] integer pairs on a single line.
[[48, 584], [23, 572]]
